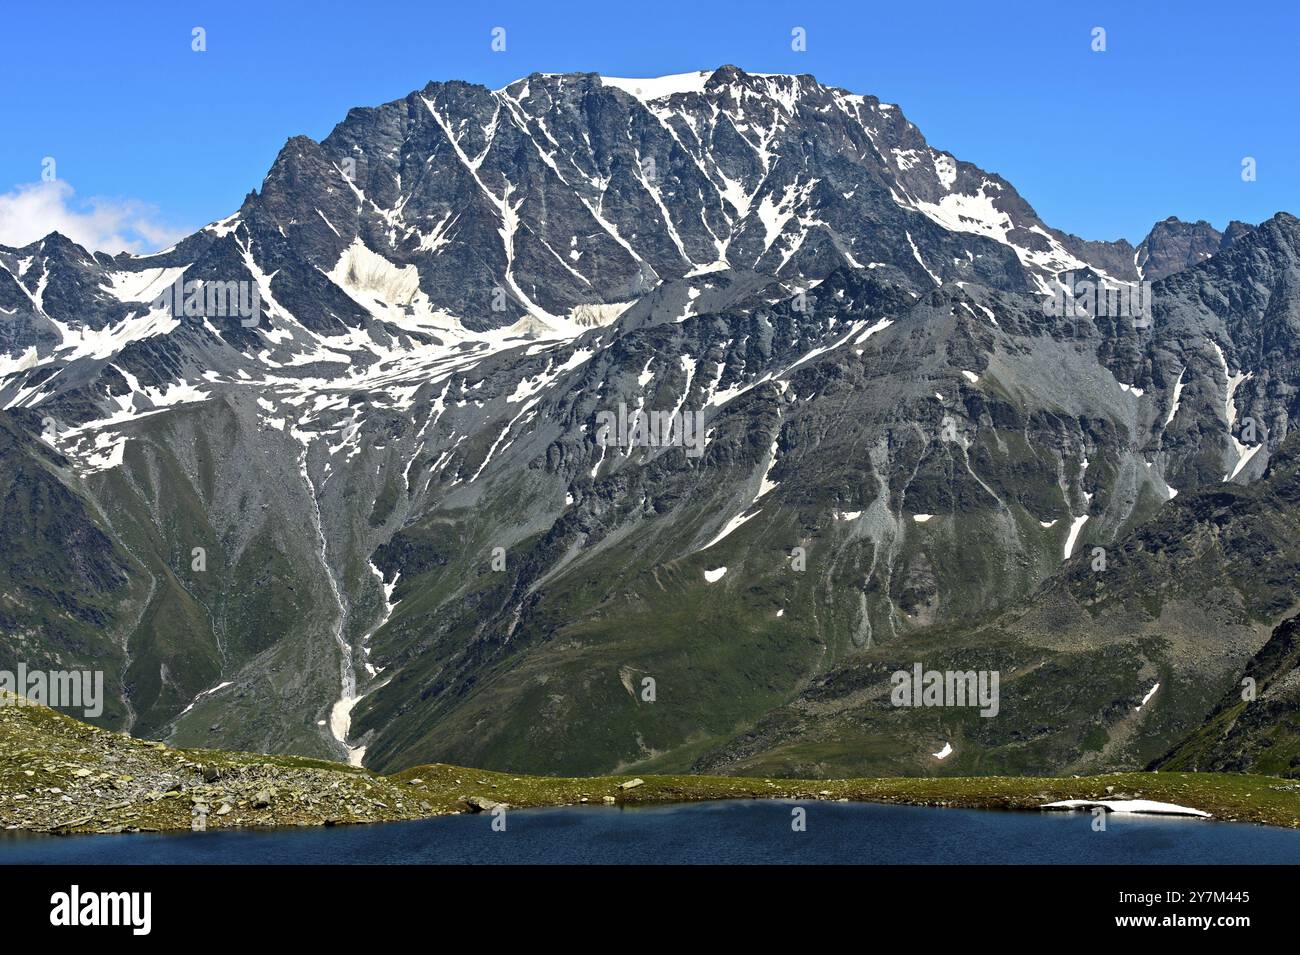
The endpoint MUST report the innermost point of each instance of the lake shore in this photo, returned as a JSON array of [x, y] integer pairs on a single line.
[[60, 775]]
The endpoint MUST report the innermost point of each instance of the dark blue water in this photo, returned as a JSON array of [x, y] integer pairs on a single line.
[[738, 832]]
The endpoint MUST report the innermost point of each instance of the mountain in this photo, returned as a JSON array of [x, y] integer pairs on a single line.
[[1173, 245], [358, 503]]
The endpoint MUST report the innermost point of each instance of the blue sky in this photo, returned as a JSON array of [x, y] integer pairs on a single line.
[[152, 139]]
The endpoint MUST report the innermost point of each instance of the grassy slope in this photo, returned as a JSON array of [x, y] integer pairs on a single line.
[[66, 591], [112, 782], [1259, 735]]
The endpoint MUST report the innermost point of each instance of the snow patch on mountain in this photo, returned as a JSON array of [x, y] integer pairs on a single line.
[[1177, 399], [367, 276], [142, 286], [84, 342], [657, 87], [1075, 527], [1243, 452]]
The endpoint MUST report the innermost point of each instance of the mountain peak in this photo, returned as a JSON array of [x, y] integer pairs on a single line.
[[1172, 245], [727, 73]]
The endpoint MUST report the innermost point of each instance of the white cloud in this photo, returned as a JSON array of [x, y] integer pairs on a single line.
[[32, 211]]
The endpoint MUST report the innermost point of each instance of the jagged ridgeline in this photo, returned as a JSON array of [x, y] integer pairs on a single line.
[[329, 476]]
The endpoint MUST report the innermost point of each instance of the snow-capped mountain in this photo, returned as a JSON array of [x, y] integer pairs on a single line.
[[364, 504]]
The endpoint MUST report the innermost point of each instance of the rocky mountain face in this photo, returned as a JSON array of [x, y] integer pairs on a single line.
[[1173, 245], [335, 474]]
